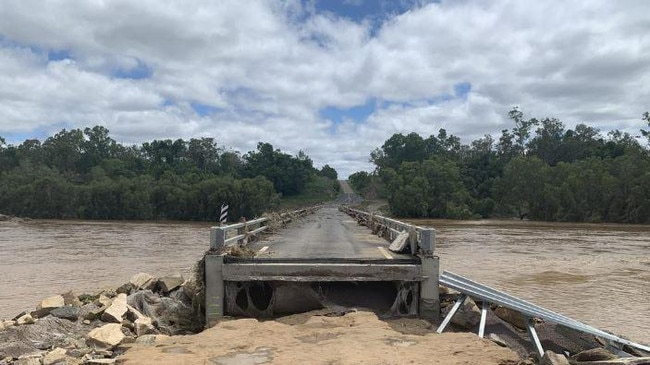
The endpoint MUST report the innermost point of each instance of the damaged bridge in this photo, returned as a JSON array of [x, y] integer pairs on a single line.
[[328, 257]]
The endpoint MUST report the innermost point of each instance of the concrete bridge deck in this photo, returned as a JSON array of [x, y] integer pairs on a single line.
[[327, 235]]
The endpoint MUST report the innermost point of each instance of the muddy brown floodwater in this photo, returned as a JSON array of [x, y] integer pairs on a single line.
[[599, 274], [596, 273]]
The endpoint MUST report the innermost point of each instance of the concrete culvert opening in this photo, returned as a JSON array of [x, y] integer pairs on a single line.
[[270, 299]]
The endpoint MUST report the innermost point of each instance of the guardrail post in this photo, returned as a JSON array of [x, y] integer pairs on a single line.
[[217, 237], [428, 241], [214, 289], [429, 306]]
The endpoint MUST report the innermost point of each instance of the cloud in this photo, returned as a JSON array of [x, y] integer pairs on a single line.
[[301, 76]]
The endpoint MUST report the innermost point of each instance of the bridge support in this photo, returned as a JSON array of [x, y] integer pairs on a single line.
[[429, 307], [214, 289]]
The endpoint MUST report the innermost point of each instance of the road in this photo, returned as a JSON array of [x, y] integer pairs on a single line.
[[326, 234]]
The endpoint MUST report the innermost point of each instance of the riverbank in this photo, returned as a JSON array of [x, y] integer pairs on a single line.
[[153, 321], [159, 320]]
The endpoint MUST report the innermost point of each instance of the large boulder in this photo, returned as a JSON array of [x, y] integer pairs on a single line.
[[144, 326], [68, 312], [170, 282], [106, 336], [143, 281], [46, 305], [117, 309], [511, 316], [171, 316]]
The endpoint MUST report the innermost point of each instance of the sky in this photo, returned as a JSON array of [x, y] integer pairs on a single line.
[[334, 79]]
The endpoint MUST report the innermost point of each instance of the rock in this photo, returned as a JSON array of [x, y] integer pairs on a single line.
[[106, 336], [511, 316], [2, 325], [4, 218], [596, 354], [144, 326], [150, 339], [133, 314], [190, 287], [117, 310], [25, 319], [498, 340], [125, 288], [171, 316], [80, 352], [169, 283], [551, 358], [143, 281], [54, 356], [104, 301], [70, 298], [47, 304], [91, 312], [468, 316], [85, 321], [68, 312]]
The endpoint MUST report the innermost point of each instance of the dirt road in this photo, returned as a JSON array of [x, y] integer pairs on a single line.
[[319, 338]]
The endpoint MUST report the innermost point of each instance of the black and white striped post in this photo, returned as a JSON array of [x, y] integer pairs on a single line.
[[224, 214]]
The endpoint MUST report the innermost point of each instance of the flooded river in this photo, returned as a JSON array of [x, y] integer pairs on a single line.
[[599, 274], [596, 273]]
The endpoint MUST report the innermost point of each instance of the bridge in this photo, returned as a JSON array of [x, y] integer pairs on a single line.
[[340, 256], [319, 251]]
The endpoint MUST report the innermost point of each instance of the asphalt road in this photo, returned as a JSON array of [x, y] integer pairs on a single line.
[[326, 234]]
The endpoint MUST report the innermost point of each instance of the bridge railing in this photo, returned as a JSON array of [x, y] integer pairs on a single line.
[[241, 233], [423, 238]]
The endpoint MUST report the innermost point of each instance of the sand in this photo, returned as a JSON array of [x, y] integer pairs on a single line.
[[321, 338]]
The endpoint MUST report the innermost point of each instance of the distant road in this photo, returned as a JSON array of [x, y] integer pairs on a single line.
[[345, 187]]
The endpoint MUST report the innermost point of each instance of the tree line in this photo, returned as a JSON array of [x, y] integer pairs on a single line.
[[538, 169], [88, 175]]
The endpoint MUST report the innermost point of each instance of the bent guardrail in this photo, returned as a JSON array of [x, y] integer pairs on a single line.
[[422, 238]]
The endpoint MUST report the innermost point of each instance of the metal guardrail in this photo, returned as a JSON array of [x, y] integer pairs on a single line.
[[239, 233], [486, 294], [423, 238]]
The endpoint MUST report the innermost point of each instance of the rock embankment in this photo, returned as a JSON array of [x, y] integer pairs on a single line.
[[144, 316], [95, 328]]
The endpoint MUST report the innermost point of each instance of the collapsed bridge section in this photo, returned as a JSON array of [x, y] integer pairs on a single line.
[[323, 259]]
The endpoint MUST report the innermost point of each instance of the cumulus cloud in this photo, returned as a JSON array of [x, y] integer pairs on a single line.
[[244, 72]]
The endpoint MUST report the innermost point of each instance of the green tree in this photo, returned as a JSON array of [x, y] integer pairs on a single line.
[[329, 172]]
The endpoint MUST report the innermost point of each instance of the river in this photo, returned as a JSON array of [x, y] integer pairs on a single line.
[[596, 273]]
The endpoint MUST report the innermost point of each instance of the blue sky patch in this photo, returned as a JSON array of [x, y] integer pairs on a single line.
[[462, 89], [58, 55], [18, 138], [357, 113], [204, 109]]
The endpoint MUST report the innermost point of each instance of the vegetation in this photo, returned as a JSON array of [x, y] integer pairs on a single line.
[[86, 174], [538, 169]]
